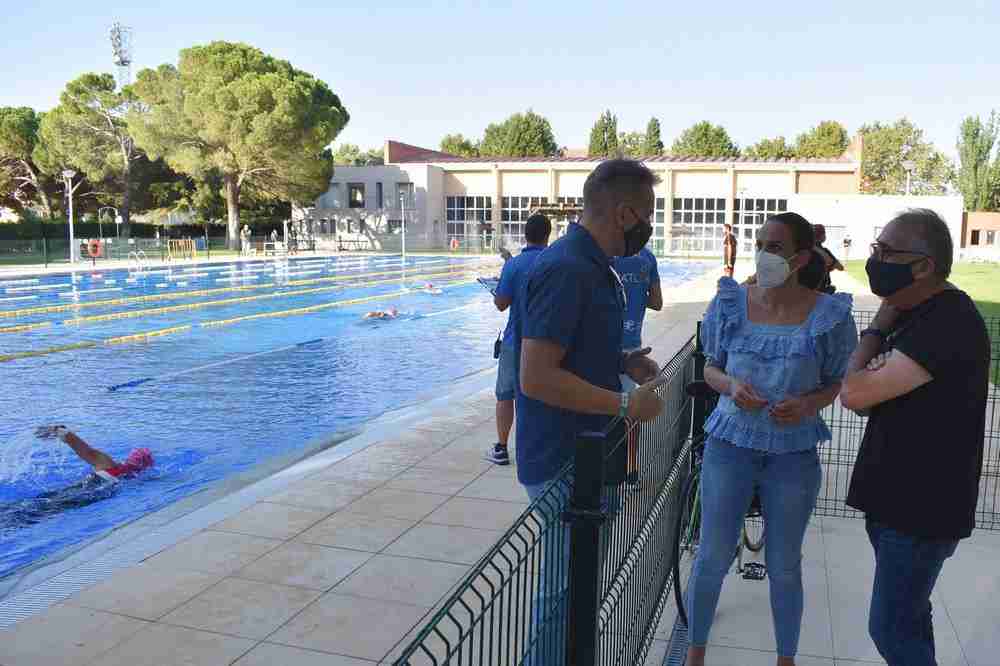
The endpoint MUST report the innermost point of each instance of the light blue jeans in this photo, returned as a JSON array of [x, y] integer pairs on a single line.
[[549, 622], [788, 484]]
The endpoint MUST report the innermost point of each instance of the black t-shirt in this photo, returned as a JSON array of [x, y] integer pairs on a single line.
[[921, 457]]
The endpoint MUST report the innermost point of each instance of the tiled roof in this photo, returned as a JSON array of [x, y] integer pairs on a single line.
[[397, 152], [656, 158], [401, 152]]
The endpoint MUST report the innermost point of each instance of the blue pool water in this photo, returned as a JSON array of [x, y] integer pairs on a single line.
[[216, 397]]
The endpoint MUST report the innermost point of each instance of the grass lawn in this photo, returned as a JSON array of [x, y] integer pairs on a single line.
[[980, 281]]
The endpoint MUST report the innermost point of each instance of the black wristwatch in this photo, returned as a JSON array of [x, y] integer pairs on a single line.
[[873, 331]]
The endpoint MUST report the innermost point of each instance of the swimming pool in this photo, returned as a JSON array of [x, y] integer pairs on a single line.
[[218, 368]]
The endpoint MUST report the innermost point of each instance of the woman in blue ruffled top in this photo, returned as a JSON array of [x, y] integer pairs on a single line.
[[777, 351]]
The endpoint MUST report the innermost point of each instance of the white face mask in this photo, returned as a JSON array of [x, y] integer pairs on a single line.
[[772, 269]]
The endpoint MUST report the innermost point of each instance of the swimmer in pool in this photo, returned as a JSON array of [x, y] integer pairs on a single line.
[[429, 288], [105, 467], [102, 484], [391, 313]]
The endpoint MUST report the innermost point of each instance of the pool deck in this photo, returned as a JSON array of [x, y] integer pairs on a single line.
[[337, 560]]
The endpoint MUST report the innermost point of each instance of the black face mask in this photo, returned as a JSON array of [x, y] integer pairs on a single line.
[[637, 237], [886, 278]]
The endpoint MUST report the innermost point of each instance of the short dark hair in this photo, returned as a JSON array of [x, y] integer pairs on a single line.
[[931, 228], [537, 229], [621, 178], [803, 236]]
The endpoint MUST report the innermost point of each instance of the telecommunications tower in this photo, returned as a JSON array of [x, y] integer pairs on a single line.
[[121, 46]]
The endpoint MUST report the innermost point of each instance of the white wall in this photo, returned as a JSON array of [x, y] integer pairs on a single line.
[[862, 215]]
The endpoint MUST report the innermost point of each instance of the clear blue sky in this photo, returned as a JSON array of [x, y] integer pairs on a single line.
[[415, 73]]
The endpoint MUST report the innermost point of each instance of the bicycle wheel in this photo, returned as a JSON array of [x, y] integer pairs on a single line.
[[686, 536], [753, 532]]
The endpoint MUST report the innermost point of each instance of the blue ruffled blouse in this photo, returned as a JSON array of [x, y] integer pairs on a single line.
[[779, 362]]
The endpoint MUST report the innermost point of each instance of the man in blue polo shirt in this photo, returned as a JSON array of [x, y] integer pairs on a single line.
[[641, 278], [569, 339], [537, 230]]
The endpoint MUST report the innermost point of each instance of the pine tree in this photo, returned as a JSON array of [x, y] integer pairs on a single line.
[[654, 144], [604, 136]]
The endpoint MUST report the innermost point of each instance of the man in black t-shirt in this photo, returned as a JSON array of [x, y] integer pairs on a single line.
[[921, 372]]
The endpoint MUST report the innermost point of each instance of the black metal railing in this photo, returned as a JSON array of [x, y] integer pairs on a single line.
[[584, 574]]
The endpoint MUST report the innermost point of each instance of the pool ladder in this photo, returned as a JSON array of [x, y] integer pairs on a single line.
[[139, 259]]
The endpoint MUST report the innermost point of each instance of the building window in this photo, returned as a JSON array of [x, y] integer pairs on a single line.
[[404, 193], [332, 199], [749, 215], [356, 195], [378, 196], [657, 244], [991, 237], [515, 211], [697, 224], [474, 210], [975, 237]]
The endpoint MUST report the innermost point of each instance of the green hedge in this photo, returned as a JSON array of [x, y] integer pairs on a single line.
[[59, 228]]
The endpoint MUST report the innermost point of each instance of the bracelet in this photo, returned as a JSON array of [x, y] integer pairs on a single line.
[[873, 331], [623, 407]]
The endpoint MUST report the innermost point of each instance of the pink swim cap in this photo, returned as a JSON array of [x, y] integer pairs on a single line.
[[138, 460]]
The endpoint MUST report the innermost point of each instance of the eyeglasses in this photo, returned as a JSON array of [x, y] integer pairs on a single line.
[[881, 251]]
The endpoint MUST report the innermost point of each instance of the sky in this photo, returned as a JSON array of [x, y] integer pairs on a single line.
[[417, 71]]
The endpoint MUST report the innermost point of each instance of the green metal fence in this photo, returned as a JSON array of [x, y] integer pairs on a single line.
[[584, 574]]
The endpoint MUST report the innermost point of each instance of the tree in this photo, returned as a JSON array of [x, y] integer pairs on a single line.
[[604, 136], [828, 139], [632, 144], [977, 178], [770, 149], [458, 145], [349, 154], [256, 120], [521, 135], [88, 132], [704, 140], [22, 181], [653, 144], [887, 146]]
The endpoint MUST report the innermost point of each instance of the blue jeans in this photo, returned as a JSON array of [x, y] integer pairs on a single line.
[[906, 569], [549, 621], [788, 485], [507, 373]]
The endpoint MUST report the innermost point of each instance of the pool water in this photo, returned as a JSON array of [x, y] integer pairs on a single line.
[[263, 358]]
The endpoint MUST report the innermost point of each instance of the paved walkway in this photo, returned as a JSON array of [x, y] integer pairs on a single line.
[[343, 566]]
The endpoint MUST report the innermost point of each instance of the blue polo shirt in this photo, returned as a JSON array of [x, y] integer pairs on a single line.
[[511, 278], [638, 273], [573, 298]]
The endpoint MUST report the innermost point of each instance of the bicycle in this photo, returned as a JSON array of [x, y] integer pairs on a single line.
[[688, 526]]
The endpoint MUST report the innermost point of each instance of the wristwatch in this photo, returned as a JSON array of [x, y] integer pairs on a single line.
[[623, 407]]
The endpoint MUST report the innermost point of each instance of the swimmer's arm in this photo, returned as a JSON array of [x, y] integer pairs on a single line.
[[98, 459]]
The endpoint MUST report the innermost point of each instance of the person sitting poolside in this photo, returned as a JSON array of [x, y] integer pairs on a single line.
[[391, 313], [105, 467]]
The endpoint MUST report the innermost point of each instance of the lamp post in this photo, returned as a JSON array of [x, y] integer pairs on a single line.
[[910, 166], [402, 215], [68, 175]]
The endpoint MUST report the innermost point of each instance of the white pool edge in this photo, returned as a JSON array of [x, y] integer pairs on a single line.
[[53, 583]]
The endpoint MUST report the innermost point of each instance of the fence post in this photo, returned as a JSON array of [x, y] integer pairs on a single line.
[[699, 404], [585, 517], [45, 250]]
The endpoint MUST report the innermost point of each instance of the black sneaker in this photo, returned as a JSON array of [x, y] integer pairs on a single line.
[[497, 455]]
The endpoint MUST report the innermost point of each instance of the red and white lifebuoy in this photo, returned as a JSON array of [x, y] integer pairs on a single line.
[[94, 248], [454, 244]]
